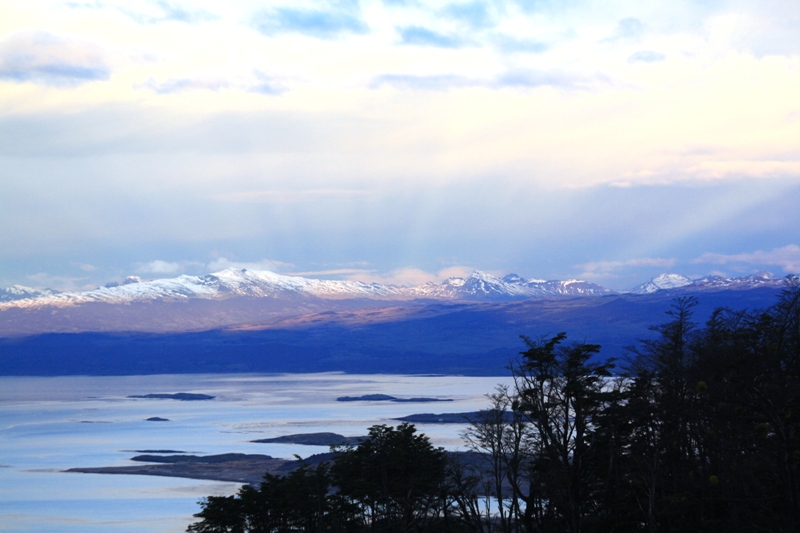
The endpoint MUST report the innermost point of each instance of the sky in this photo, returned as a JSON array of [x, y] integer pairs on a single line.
[[398, 141]]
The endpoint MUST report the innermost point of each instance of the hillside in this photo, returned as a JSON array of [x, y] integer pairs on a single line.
[[472, 338]]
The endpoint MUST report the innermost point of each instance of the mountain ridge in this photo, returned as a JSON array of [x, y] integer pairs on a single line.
[[463, 337], [241, 282], [261, 299]]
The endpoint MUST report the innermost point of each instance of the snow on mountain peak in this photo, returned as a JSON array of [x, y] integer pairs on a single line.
[[231, 283], [20, 292], [707, 283], [662, 282], [513, 279]]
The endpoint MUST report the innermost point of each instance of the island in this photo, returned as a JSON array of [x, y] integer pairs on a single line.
[[156, 419], [387, 398], [182, 396], [236, 467], [313, 439], [155, 451]]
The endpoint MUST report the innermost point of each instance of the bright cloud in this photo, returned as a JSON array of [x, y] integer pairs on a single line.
[[786, 257], [43, 57], [609, 266], [160, 267], [406, 277], [320, 23], [646, 56], [222, 263], [409, 276], [44, 280], [149, 12]]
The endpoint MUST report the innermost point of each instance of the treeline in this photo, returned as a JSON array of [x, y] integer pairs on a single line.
[[697, 430]]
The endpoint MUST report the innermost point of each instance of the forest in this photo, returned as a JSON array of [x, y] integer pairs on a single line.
[[695, 429]]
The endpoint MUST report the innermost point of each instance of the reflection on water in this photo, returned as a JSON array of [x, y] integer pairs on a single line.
[[54, 423]]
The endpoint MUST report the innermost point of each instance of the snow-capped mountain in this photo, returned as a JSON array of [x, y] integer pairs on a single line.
[[218, 286], [483, 286], [665, 282], [20, 292], [232, 283], [717, 283], [662, 282], [250, 299]]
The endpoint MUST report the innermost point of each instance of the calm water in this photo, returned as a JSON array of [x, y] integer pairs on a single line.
[[50, 424]]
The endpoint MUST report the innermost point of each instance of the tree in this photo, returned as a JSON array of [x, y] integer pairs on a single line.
[[395, 476], [301, 501], [666, 423], [560, 391], [498, 438]]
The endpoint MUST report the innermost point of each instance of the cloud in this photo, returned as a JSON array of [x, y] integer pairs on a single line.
[[424, 83], [175, 85], [786, 257], [512, 45], [48, 59], [153, 12], [761, 28], [513, 78], [160, 267], [407, 276], [605, 267], [473, 14], [628, 29], [222, 263], [174, 12], [265, 84], [548, 78], [257, 83], [618, 272], [289, 196], [311, 22], [720, 169], [419, 36], [86, 267], [646, 56], [43, 280]]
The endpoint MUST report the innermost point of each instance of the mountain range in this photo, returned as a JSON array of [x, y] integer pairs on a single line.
[[246, 321], [232, 283]]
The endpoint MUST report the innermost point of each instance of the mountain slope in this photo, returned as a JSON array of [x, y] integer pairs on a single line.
[[237, 297], [677, 283], [232, 297], [456, 337], [20, 292], [662, 282]]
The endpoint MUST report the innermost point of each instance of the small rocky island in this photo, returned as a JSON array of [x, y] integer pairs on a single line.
[[236, 467], [387, 398], [182, 396], [313, 439]]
